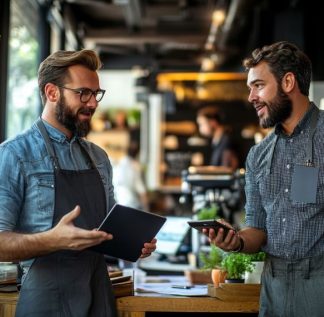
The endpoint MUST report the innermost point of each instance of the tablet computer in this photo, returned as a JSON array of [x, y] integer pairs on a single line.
[[131, 228], [209, 224]]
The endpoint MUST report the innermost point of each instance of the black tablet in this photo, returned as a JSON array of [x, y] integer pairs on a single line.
[[131, 228], [209, 224]]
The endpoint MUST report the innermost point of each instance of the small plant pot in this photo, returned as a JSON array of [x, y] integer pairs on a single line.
[[218, 276], [234, 280], [254, 277]]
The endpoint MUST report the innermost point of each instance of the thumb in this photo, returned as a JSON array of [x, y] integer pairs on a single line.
[[69, 217]]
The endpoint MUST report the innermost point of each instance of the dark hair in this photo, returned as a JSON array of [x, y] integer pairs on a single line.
[[54, 69], [283, 57], [212, 113]]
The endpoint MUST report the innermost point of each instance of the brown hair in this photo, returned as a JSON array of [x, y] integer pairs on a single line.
[[212, 113], [54, 69], [283, 57]]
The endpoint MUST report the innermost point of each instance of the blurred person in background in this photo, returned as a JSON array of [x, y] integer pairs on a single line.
[[211, 124], [130, 189]]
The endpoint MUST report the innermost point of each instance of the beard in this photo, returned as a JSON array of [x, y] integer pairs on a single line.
[[279, 109], [70, 120]]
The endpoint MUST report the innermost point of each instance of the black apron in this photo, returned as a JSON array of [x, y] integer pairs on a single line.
[[70, 283]]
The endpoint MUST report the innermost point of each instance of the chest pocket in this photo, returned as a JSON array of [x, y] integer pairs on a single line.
[[45, 193]]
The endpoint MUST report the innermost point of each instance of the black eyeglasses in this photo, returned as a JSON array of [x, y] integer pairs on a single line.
[[87, 93]]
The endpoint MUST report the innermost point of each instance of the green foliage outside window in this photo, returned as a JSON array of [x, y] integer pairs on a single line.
[[23, 105]]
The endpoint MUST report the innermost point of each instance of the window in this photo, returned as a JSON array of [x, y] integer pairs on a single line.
[[23, 105]]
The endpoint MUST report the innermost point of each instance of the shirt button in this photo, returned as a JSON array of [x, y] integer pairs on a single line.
[[286, 190], [288, 166], [284, 219], [291, 140], [301, 132]]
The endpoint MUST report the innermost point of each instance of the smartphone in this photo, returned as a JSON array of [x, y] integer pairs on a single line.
[[209, 224]]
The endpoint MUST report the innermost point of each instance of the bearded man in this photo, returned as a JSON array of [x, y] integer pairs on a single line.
[[55, 189], [284, 185]]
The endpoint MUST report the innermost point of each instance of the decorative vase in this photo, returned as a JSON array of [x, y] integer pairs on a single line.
[[255, 276], [218, 276]]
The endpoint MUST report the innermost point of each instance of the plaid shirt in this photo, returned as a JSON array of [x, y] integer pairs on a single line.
[[294, 230]]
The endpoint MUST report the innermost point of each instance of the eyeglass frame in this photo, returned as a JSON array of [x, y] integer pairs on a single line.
[[80, 91]]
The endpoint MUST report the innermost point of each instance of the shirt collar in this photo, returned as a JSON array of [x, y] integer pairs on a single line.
[[56, 134], [302, 124]]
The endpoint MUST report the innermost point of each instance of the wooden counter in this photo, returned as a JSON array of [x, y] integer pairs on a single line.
[[136, 306], [8, 304]]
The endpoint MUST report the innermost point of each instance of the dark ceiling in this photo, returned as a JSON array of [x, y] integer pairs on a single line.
[[172, 34]]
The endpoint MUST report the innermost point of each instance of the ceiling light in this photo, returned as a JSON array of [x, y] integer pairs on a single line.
[[218, 17], [207, 64]]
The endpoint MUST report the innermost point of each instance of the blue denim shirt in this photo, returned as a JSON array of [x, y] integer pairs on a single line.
[[27, 177], [295, 230]]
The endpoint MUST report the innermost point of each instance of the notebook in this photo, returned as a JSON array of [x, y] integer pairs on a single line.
[[131, 228]]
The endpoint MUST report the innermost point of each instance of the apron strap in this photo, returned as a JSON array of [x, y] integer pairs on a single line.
[[86, 153], [48, 144], [269, 163], [309, 149]]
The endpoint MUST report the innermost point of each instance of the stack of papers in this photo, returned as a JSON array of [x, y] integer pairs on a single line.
[[170, 289]]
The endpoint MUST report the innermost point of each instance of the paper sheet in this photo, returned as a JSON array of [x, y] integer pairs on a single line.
[[167, 289]]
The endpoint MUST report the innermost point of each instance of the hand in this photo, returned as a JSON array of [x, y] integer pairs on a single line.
[[65, 235], [149, 247], [229, 243]]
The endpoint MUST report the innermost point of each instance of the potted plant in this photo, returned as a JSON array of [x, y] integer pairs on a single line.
[[235, 265], [212, 262], [254, 277], [211, 259], [208, 260]]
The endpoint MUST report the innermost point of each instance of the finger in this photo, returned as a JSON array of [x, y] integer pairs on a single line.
[[222, 221], [149, 245], [146, 252], [69, 217], [144, 256]]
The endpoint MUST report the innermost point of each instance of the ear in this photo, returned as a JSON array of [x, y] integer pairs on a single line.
[[52, 92], [288, 82]]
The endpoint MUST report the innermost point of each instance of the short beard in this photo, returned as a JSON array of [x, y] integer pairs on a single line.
[[279, 109], [69, 120]]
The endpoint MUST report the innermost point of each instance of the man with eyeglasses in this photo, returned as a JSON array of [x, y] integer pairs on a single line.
[[55, 188]]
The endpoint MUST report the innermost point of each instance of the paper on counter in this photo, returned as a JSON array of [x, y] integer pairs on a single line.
[[167, 289]]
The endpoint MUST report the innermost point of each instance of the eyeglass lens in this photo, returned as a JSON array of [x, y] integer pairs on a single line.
[[86, 94]]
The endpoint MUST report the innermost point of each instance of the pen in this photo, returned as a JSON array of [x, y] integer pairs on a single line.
[[181, 286]]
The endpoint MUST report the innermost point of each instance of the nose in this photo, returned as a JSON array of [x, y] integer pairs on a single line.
[[252, 96], [92, 102]]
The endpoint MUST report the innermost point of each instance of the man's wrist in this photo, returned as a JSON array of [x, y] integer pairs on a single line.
[[240, 247]]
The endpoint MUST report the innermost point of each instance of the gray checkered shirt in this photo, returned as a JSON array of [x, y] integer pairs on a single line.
[[294, 230]]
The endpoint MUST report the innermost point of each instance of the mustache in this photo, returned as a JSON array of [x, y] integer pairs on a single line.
[[260, 104], [86, 111]]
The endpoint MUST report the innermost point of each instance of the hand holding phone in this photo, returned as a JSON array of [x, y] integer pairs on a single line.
[[209, 224]]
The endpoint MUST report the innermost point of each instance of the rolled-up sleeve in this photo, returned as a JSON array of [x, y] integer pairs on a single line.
[[11, 189]]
